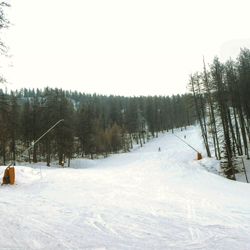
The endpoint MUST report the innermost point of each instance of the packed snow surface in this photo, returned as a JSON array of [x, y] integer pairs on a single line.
[[145, 199]]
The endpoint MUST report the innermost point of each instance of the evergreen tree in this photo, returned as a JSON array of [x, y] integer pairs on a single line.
[[14, 127], [4, 126]]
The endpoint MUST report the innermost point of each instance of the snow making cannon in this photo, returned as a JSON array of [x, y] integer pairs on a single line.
[[199, 155], [9, 172]]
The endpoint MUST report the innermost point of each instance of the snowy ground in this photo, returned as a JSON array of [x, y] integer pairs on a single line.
[[140, 200]]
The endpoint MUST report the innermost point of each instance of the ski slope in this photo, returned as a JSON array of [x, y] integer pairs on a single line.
[[144, 199]]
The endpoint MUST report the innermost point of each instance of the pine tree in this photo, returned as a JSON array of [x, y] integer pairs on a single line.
[[199, 105], [4, 126], [14, 125], [217, 71]]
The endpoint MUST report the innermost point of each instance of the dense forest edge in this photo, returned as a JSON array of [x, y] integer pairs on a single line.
[[93, 125]]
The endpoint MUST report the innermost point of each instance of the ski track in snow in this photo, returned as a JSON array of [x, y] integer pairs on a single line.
[[144, 199]]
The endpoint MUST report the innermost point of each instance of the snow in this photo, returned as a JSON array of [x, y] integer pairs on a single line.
[[144, 199]]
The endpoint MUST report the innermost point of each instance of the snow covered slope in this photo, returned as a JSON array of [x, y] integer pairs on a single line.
[[145, 199]]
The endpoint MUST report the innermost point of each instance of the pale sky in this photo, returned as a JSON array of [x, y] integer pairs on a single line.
[[130, 47]]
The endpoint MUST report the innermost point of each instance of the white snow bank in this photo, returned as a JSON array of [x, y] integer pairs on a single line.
[[24, 175]]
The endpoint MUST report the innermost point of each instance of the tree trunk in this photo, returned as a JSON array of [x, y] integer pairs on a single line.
[[204, 135]]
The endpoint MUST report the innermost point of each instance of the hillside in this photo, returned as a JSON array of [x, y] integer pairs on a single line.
[[145, 199]]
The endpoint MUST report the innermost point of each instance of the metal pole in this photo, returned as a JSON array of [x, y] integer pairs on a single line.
[[33, 143], [187, 144]]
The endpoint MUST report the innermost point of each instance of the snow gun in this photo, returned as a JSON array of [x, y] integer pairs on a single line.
[[199, 156], [9, 173], [34, 142]]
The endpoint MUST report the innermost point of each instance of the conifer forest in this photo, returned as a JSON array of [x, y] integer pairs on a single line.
[[93, 125], [221, 96]]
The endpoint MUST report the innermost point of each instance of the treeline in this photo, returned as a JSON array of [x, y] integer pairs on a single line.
[[222, 99], [93, 124]]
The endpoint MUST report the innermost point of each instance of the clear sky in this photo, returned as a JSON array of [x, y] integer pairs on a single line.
[[129, 47]]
